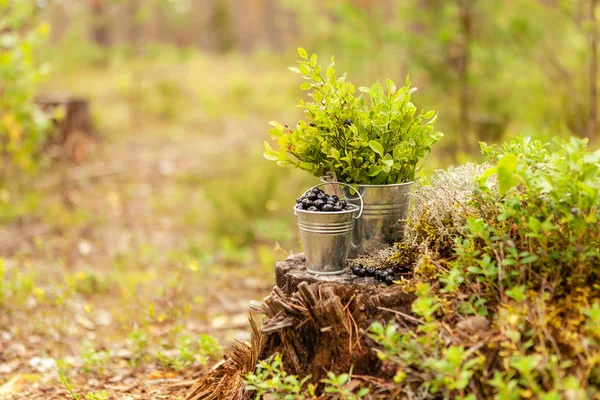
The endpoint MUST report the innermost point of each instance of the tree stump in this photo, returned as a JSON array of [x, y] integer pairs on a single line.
[[317, 323], [74, 134]]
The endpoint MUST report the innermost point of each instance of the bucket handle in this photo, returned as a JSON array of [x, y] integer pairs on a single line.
[[362, 204]]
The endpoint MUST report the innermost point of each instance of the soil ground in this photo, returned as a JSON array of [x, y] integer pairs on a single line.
[[119, 276]]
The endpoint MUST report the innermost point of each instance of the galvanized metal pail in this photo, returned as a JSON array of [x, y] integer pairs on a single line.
[[326, 236], [384, 214]]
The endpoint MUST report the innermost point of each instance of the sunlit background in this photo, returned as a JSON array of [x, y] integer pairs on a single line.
[[161, 220]]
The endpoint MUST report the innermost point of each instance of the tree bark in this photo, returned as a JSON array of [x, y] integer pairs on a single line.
[[463, 73], [593, 73], [318, 324]]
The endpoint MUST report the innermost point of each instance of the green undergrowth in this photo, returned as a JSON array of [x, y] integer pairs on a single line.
[[510, 309], [270, 380], [506, 262]]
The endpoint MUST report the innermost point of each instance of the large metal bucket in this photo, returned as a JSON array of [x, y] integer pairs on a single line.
[[326, 237], [384, 214]]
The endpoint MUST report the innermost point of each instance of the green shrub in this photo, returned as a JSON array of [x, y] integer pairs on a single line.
[[514, 312], [270, 380], [379, 141]]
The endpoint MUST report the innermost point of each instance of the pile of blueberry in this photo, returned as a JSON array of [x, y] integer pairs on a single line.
[[316, 200], [382, 275]]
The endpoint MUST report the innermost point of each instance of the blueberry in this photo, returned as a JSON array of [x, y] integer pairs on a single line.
[[370, 271], [321, 196], [306, 203], [331, 202], [574, 211], [361, 272], [343, 203], [540, 218], [319, 204], [348, 122], [327, 207], [337, 208], [355, 270], [313, 208], [299, 200], [389, 271], [381, 275], [389, 280], [335, 198], [312, 196], [316, 190]]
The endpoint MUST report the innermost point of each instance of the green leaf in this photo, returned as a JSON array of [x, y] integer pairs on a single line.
[[529, 259], [506, 170], [380, 178], [343, 378], [305, 69], [302, 53], [294, 69], [374, 170], [269, 153], [376, 92], [306, 86], [274, 133], [282, 156], [334, 153], [307, 166], [429, 114], [376, 147], [391, 86]]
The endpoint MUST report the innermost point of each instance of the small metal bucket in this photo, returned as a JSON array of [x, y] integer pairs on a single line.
[[384, 214], [326, 236]]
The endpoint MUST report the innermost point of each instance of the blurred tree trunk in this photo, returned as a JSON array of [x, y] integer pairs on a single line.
[[272, 27], [463, 75], [100, 33], [593, 72], [134, 28], [221, 26]]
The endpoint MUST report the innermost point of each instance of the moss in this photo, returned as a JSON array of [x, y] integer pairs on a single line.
[[405, 256], [425, 269]]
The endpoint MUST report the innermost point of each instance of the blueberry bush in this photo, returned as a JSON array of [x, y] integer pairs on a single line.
[[512, 312], [375, 140], [270, 380]]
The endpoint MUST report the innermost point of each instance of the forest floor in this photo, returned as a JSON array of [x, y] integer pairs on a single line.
[[132, 272], [120, 287]]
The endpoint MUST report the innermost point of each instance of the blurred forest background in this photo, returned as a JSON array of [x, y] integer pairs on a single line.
[[157, 222]]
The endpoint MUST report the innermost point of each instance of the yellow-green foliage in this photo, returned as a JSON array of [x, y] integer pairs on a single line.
[[516, 313], [22, 123]]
